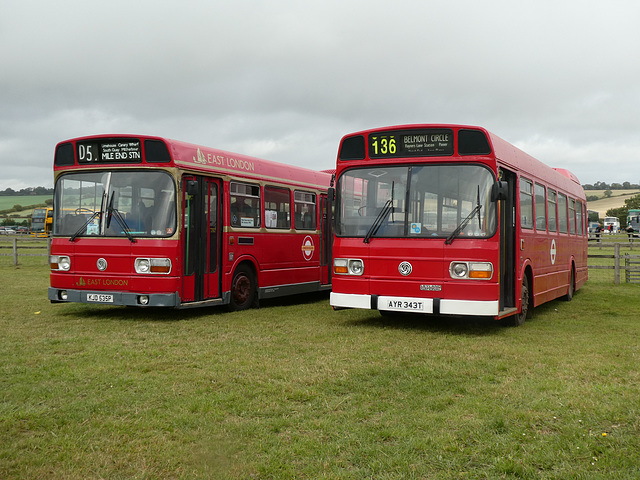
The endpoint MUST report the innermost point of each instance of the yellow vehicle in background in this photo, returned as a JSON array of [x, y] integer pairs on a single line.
[[41, 222]]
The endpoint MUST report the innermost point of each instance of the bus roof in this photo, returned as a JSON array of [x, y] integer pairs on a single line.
[[502, 151], [512, 156], [193, 157]]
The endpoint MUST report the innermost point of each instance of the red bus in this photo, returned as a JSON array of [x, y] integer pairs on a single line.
[[147, 221], [453, 220]]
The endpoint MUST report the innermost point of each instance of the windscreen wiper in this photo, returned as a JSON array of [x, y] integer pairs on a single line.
[[114, 212], [79, 231], [121, 221], [463, 223], [375, 226]]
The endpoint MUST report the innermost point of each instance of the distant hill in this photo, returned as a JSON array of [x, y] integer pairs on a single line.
[[24, 200], [616, 200]]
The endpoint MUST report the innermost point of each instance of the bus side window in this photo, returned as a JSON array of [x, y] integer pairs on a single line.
[[526, 204], [552, 201], [277, 207], [541, 207], [245, 205], [305, 210]]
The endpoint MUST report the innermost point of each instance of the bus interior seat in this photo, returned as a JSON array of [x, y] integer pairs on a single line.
[[71, 222]]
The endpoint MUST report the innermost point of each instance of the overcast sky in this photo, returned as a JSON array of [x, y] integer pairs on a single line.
[[285, 80]]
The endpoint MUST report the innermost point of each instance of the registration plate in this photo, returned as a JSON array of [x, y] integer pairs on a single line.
[[99, 297], [399, 304], [405, 305]]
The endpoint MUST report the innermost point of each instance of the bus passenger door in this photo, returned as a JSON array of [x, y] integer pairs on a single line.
[[325, 240], [508, 244], [201, 238]]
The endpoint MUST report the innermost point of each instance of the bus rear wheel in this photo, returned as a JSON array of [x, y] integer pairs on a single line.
[[243, 289], [572, 286]]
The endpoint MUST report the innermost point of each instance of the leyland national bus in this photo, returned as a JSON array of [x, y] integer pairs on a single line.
[[453, 220], [147, 221]]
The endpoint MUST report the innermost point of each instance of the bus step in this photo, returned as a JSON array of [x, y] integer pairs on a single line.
[[507, 312]]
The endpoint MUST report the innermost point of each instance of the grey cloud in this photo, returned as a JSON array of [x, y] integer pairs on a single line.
[[285, 80]]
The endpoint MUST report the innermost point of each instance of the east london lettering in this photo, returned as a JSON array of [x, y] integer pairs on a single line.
[[222, 161], [102, 282]]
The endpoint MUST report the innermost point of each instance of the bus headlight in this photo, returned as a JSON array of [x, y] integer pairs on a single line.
[[142, 265], [60, 263], [473, 270], [348, 266], [356, 267], [158, 266], [459, 270]]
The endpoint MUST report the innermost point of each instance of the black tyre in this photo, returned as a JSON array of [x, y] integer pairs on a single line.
[[243, 289], [572, 286], [525, 312]]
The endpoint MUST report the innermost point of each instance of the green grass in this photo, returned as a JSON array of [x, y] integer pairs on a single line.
[[296, 390]]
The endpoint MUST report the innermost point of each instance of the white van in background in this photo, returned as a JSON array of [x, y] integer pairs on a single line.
[[614, 222]]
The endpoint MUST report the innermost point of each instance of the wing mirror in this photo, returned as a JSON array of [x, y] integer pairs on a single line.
[[192, 187], [499, 191]]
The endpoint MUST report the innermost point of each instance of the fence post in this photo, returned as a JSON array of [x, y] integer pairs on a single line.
[[15, 251], [617, 263]]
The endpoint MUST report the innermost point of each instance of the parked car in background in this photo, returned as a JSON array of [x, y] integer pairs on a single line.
[[7, 231]]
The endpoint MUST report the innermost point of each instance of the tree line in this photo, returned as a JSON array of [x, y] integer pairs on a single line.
[[10, 192], [611, 186]]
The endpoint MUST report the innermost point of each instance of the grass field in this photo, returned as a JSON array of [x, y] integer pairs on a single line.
[[615, 201], [296, 390], [614, 193], [7, 202]]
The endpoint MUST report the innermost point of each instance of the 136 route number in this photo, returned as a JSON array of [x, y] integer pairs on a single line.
[[385, 146]]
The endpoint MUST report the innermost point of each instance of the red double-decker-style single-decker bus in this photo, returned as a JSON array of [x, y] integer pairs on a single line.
[[453, 220], [147, 221]]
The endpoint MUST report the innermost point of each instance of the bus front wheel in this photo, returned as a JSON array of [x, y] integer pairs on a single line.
[[243, 289], [519, 318]]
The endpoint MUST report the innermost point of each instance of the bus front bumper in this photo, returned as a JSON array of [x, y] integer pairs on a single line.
[[436, 306], [58, 295]]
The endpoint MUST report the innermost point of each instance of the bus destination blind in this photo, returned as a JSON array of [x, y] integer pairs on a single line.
[[110, 151], [411, 143]]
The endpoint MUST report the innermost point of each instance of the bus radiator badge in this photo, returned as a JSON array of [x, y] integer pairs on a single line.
[[405, 268], [101, 264]]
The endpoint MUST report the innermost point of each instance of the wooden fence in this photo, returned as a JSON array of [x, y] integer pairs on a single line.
[[626, 262], [19, 244]]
